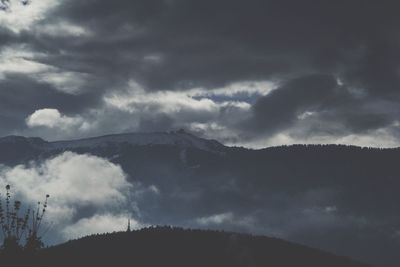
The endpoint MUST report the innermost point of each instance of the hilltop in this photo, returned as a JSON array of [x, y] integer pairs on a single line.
[[165, 246]]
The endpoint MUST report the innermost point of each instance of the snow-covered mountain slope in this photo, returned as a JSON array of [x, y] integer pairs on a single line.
[[177, 138], [181, 139]]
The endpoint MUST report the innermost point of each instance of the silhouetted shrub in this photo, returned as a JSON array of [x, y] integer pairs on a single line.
[[20, 229]]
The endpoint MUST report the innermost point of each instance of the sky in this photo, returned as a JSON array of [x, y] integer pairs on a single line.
[[253, 73]]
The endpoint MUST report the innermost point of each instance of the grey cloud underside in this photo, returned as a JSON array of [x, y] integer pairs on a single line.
[[179, 45], [214, 42], [322, 95]]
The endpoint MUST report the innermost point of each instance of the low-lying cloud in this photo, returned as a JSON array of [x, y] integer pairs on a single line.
[[88, 194], [52, 118]]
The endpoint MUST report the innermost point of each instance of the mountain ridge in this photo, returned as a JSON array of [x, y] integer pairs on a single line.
[[179, 138], [150, 138], [171, 246]]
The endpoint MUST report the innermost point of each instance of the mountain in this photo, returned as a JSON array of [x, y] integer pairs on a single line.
[[165, 246], [179, 138], [343, 199], [24, 149]]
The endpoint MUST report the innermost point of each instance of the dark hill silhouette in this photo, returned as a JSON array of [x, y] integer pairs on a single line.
[[343, 199], [165, 246]]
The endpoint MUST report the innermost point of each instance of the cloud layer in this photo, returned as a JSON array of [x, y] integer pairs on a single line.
[[257, 73]]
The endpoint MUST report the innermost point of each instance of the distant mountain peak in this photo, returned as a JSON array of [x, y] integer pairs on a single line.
[[180, 138]]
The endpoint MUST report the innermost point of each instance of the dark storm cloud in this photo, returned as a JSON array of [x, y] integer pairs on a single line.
[[195, 42], [320, 94], [210, 43], [176, 44], [281, 107]]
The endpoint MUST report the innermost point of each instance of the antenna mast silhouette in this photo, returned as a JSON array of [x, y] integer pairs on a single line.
[[129, 226]]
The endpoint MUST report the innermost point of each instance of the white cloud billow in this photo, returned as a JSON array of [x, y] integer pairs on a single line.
[[52, 118], [17, 17], [74, 182], [21, 59], [170, 102], [197, 99]]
